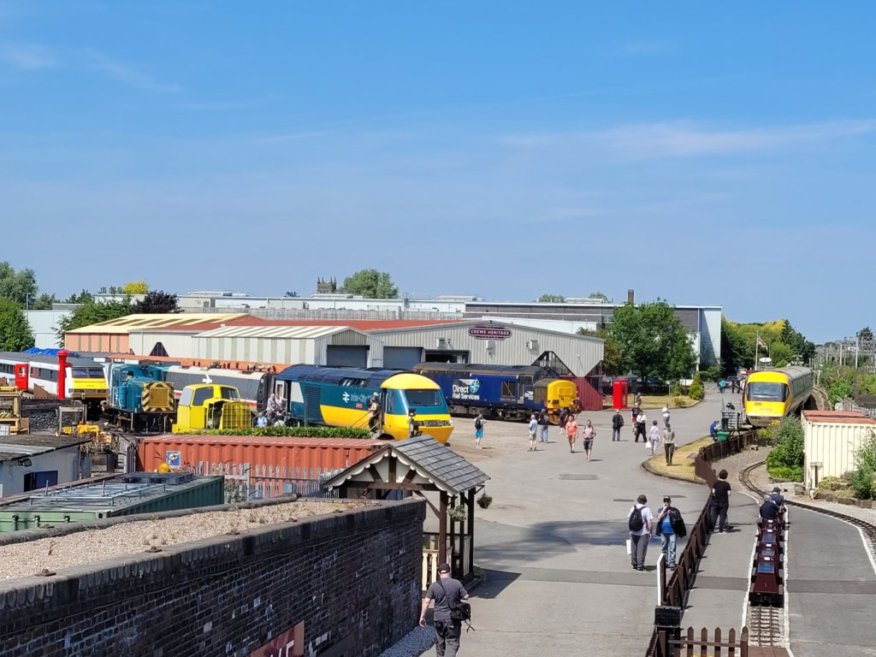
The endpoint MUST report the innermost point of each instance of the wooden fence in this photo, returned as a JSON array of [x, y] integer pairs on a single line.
[[669, 644]]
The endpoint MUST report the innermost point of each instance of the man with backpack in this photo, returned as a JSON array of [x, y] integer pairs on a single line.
[[639, 520], [479, 429], [670, 526], [448, 594]]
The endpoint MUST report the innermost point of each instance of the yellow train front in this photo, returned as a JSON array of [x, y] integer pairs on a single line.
[[770, 395], [340, 396], [555, 395]]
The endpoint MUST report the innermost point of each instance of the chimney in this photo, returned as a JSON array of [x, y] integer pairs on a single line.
[[631, 297]]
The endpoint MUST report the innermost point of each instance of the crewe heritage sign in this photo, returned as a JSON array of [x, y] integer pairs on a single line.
[[288, 644], [489, 332]]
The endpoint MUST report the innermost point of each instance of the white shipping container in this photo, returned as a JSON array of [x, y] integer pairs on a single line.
[[830, 442]]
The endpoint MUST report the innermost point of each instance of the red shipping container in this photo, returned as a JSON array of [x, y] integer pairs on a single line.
[[319, 454]]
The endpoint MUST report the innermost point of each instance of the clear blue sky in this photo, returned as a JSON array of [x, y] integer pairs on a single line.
[[720, 154]]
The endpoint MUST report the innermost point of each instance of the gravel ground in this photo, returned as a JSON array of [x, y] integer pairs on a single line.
[[414, 643], [736, 463], [25, 559]]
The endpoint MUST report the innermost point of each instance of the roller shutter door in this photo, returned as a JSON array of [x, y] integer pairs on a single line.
[[347, 356], [401, 358]]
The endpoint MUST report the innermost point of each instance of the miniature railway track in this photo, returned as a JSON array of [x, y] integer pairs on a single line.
[[766, 624]]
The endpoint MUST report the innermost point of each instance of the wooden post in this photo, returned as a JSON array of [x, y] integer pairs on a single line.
[[471, 507], [442, 529]]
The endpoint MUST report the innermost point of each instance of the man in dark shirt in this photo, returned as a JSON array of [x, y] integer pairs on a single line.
[[769, 510], [720, 503], [447, 594]]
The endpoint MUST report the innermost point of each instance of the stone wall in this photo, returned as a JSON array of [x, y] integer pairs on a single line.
[[351, 577]]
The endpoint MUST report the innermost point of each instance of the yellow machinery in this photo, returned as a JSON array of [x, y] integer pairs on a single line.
[[10, 411], [211, 406]]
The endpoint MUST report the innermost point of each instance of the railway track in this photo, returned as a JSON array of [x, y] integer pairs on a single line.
[[767, 625]]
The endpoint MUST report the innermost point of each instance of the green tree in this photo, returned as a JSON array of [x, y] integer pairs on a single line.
[[552, 298], [371, 284], [866, 334], [599, 295], [652, 341], [15, 332], [43, 302], [92, 313], [83, 297], [157, 302], [611, 352], [17, 285]]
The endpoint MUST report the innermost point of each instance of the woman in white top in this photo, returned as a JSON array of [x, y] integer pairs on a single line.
[[654, 438]]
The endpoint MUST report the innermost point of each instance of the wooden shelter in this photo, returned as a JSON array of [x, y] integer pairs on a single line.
[[419, 466]]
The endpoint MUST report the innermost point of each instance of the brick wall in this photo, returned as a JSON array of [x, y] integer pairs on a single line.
[[351, 577]]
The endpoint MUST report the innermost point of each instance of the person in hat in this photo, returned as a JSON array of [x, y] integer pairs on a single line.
[[776, 497], [446, 593]]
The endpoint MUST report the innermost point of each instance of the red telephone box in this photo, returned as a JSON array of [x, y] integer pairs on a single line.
[[21, 380], [620, 388]]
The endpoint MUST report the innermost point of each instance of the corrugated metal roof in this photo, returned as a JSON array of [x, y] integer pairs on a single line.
[[837, 417], [16, 447], [283, 332], [123, 325], [449, 472]]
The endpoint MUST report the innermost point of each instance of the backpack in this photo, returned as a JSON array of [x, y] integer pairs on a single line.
[[478, 425], [677, 523], [636, 521]]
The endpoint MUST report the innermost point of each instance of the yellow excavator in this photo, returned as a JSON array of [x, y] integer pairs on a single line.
[[211, 406]]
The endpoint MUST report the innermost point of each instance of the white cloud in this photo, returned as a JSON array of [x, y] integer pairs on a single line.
[[685, 139], [27, 57], [125, 73]]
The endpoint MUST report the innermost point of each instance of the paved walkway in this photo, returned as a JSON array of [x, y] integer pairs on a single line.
[[558, 580]]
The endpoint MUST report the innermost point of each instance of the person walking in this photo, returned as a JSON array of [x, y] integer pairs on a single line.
[[589, 435], [719, 503], [641, 423], [533, 431], [634, 416], [670, 526], [668, 443], [617, 423], [544, 421], [479, 429], [639, 521], [571, 432], [665, 415], [446, 593], [654, 438]]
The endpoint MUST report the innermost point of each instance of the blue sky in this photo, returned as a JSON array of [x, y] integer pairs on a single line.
[[702, 154]]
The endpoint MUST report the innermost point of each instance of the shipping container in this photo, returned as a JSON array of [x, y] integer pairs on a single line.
[[830, 441], [319, 454]]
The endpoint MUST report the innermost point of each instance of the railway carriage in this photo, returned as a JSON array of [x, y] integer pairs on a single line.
[[509, 392], [770, 395], [339, 397], [85, 379]]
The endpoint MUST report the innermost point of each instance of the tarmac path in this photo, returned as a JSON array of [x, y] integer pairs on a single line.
[[552, 544]]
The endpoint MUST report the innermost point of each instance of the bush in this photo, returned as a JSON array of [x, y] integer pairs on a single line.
[[288, 432], [679, 402], [712, 373], [862, 478], [785, 461], [676, 390], [697, 391]]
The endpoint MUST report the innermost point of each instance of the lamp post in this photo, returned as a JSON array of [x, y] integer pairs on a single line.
[[27, 297]]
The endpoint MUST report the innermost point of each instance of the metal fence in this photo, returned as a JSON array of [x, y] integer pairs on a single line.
[[244, 482]]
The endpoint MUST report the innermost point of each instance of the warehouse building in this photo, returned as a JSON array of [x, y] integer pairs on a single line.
[[34, 462], [488, 342]]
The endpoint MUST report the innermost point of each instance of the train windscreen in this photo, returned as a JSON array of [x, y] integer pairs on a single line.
[[424, 398], [772, 392]]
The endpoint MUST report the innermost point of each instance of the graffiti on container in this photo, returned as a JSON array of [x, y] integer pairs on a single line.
[[288, 644]]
